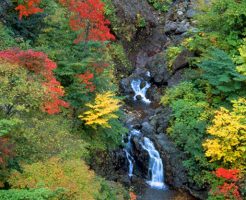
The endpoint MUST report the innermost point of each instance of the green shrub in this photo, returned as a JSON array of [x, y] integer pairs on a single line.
[[224, 22], [161, 5], [172, 53], [190, 116], [32, 194], [220, 71]]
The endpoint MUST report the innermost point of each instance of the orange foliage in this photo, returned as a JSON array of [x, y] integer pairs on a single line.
[[133, 196], [229, 189], [86, 79], [40, 64], [29, 7], [229, 174], [88, 19]]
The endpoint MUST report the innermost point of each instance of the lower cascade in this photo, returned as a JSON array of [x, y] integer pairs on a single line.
[[155, 162], [130, 161], [155, 165]]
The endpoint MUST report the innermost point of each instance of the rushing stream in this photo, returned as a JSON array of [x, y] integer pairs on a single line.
[[141, 92], [155, 165], [155, 169]]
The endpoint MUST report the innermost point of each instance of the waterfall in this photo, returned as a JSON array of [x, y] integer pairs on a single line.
[[128, 150], [135, 84], [130, 161], [155, 165], [155, 161]]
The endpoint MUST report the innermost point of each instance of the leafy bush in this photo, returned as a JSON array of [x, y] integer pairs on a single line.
[[190, 117], [72, 175], [225, 185], [19, 95], [228, 144], [32, 194], [224, 21], [101, 111], [172, 53], [220, 71], [161, 5], [6, 38], [43, 136]]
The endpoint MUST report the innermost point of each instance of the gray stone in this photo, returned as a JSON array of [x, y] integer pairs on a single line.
[[182, 27], [158, 68], [170, 26], [147, 128], [190, 13], [182, 60]]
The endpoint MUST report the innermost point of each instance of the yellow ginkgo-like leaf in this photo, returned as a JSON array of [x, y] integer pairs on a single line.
[[101, 111]]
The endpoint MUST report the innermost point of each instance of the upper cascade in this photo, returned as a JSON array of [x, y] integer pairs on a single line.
[[136, 86]]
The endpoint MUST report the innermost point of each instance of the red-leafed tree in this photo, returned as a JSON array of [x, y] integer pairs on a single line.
[[28, 7], [86, 79], [88, 20], [41, 65], [228, 188]]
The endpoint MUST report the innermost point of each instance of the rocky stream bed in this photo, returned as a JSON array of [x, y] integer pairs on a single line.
[[146, 51]]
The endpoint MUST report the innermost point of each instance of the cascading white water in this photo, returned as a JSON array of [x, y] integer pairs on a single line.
[[130, 161], [135, 84], [128, 150], [155, 165]]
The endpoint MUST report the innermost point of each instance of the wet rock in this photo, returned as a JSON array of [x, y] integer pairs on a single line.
[[125, 85], [158, 69], [174, 170], [160, 119], [112, 165], [170, 26], [182, 27], [127, 12], [147, 128], [141, 157], [154, 93], [139, 97]]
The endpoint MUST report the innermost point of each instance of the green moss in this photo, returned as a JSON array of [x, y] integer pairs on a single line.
[[172, 53], [161, 5]]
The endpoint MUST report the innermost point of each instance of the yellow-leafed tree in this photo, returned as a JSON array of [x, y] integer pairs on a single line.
[[101, 111], [228, 144]]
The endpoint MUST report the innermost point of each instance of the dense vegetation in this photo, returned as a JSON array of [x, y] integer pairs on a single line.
[[56, 78], [208, 108], [59, 105]]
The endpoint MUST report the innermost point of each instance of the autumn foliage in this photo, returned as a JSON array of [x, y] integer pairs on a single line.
[[86, 79], [101, 111], [229, 136], [88, 20], [229, 174], [73, 176], [229, 188], [41, 65], [28, 7], [133, 196]]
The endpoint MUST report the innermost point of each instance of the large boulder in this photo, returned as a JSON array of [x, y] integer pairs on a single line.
[[141, 157], [158, 69], [182, 60], [147, 128]]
